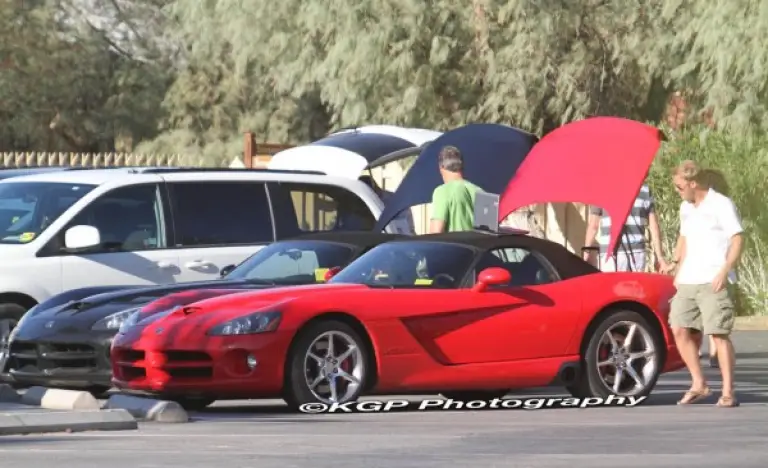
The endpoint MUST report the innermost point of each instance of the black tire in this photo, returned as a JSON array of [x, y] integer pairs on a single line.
[[13, 312], [472, 395], [98, 391], [296, 391], [590, 383], [194, 403]]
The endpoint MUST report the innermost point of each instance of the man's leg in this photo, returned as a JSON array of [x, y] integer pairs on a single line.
[[712, 352], [718, 318], [686, 322]]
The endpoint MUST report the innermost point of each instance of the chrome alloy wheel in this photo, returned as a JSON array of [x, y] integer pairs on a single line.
[[627, 358], [334, 367]]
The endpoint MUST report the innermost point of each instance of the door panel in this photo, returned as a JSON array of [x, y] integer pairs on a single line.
[[217, 224], [206, 263], [120, 268], [533, 316], [505, 325], [133, 249]]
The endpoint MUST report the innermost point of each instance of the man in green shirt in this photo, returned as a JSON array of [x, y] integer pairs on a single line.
[[453, 203]]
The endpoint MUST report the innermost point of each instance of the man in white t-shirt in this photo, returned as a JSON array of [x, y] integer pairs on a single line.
[[708, 250]]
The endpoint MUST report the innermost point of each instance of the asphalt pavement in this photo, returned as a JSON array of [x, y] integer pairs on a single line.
[[249, 434]]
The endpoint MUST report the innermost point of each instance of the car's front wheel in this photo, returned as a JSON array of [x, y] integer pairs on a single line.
[[624, 357], [328, 363]]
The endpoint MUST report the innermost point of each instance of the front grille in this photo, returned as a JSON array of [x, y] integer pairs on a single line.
[[50, 357], [175, 364]]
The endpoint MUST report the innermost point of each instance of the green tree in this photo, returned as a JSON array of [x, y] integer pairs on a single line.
[[717, 52], [442, 63], [68, 83]]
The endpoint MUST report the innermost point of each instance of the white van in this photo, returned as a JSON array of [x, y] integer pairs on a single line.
[[74, 229]]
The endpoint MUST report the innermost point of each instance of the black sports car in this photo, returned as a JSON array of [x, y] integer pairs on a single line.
[[64, 342]]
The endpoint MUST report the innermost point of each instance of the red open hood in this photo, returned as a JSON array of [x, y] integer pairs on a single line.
[[600, 161]]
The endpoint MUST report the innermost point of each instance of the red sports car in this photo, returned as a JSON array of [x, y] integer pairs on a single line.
[[468, 315]]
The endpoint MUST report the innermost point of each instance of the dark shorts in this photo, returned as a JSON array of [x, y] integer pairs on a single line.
[[697, 306]]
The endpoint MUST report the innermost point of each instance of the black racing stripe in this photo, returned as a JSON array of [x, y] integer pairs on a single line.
[[371, 146]]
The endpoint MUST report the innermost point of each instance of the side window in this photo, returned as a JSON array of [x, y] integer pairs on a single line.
[[525, 268], [291, 264], [220, 213], [302, 208], [128, 219]]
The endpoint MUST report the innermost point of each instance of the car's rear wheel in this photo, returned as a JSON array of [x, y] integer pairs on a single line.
[[328, 363], [624, 358], [472, 395]]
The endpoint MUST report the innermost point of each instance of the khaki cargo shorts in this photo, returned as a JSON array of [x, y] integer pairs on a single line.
[[697, 306]]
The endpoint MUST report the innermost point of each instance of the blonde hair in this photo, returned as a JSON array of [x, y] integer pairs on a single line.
[[688, 170], [704, 178]]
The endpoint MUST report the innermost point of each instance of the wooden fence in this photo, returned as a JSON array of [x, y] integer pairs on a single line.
[[16, 159]]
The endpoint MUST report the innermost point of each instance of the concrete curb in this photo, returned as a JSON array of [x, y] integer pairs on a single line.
[[66, 421], [149, 409], [757, 323], [56, 399]]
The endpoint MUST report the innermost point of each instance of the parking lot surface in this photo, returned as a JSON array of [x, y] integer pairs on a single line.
[[262, 434]]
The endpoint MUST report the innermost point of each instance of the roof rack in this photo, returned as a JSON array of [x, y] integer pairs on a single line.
[[164, 170]]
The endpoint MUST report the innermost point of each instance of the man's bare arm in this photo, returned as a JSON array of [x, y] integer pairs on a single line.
[[653, 225], [593, 225], [734, 252], [679, 255], [436, 226]]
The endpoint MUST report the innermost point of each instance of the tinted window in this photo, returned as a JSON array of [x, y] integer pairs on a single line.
[[301, 208], [294, 262], [128, 219], [411, 265], [525, 267], [28, 208], [220, 213]]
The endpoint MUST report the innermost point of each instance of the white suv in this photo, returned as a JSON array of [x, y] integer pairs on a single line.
[[144, 226]]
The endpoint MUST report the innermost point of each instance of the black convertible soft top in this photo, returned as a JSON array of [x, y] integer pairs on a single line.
[[357, 238], [566, 262]]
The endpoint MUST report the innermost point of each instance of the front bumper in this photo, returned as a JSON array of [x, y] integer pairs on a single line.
[[61, 363], [216, 368]]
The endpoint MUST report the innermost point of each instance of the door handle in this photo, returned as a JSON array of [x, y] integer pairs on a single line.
[[164, 265], [198, 264]]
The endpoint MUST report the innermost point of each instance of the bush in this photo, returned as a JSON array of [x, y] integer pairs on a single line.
[[738, 166]]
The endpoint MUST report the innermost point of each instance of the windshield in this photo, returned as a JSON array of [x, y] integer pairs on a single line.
[[28, 208], [410, 265], [294, 262]]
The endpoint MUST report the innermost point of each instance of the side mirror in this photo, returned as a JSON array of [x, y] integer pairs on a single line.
[[494, 276], [81, 237], [226, 270], [331, 273]]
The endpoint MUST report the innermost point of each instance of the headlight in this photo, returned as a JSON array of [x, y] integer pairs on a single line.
[[130, 321], [114, 321], [259, 322]]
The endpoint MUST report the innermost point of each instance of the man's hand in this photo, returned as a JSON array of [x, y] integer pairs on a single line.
[[718, 283], [665, 267]]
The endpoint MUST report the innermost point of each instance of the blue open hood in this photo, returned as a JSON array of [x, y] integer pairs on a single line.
[[492, 154]]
